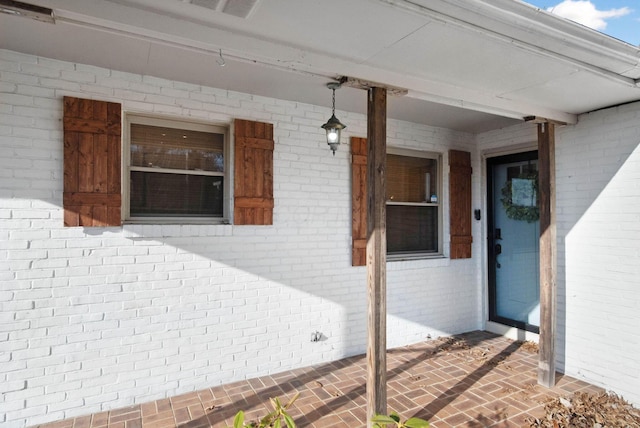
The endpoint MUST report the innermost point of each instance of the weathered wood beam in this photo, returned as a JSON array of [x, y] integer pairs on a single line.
[[376, 253], [352, 82], [548, 252], [539, 120]]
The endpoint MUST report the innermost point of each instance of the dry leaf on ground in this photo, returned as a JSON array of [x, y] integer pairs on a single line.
[[588, 411]]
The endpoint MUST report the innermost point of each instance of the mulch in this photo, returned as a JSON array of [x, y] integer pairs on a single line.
[[584, 410]]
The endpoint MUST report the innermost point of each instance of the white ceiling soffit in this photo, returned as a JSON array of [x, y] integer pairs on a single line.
[[504, 58], [534, 30]]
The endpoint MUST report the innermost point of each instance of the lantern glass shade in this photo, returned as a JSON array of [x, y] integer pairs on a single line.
[[333, 128], [333, 135]]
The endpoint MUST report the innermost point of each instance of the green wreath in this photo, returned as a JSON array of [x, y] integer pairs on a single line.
[[528, 213]]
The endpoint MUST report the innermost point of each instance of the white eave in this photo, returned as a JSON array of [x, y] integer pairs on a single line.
[[499, 58]]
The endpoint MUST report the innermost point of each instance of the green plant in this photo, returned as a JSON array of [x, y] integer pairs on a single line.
[[381, 421], [274, 419]]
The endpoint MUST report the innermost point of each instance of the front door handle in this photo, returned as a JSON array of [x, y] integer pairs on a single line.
[[497, 234], [498, 251]]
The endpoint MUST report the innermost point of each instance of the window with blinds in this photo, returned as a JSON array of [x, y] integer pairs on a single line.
[[175, 169], [413, 202]]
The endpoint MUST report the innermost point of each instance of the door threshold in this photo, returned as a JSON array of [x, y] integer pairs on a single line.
[[512, 333]]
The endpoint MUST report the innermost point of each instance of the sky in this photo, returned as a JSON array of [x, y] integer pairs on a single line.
[[617, 18]]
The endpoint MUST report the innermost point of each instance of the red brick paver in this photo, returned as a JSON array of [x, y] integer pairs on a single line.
[[471, 380]]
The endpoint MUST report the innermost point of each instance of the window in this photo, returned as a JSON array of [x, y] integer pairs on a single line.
[[413, 203], [173, 170], [176, 170]]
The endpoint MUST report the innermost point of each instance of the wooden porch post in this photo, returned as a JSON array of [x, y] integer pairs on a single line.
[[376, 253], [548, 263]]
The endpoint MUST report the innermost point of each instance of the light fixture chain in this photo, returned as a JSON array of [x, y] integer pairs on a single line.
[[333, 109]]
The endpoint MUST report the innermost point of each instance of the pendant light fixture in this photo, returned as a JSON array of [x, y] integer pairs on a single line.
[[333, 125]]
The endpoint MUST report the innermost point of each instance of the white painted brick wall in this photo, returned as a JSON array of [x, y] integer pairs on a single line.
[[598, 174], [94, 319], [598, 229]]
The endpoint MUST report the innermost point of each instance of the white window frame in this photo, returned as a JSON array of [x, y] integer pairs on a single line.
[[439, 176], [177, 123]]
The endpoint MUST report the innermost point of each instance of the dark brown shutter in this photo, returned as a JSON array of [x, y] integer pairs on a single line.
[[460, 204], [358, 201], [253, 188], [92, 193]]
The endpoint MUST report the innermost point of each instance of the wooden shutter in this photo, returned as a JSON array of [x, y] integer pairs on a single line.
[[460, 204], [253, 179], [358, 201], [92, 193]]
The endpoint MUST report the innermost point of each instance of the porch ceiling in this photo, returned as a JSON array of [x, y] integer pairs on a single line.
[[471, 66]]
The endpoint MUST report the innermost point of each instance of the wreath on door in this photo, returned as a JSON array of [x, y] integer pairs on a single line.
[[520, 197]]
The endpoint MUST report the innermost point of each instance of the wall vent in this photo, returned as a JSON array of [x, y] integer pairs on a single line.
[[239, 8], [209, 4]]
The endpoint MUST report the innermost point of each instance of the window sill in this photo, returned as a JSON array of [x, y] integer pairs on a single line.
[[413, 204], [178, 221], [415, 256], [413, 261]]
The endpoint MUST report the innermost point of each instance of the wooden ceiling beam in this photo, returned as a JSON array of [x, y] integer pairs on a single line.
[[353, 82], [538, 120]]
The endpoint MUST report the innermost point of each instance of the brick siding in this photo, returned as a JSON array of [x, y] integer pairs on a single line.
[[99, 318], [598, 241]]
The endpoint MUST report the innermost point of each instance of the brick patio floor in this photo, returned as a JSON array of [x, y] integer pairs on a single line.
[[471, 380]]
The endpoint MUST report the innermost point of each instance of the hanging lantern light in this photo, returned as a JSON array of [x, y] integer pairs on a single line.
[[333, 125]]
